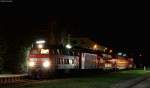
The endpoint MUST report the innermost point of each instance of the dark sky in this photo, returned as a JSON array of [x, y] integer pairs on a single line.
[[118, 31]]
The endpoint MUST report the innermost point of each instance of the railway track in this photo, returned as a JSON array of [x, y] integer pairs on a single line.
[[9, 78], [142, 84], [11, 81], [19, 84], [139, 82], [16, 81]]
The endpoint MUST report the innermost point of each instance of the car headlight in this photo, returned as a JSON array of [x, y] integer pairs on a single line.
[[31, 64], [46, 64]]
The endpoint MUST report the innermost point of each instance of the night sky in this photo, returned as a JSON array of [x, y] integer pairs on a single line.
[[118, 31]]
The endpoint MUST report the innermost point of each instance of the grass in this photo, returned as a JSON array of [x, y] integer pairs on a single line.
[[92, 81]]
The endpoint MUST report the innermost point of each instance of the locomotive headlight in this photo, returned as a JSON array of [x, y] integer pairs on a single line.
[[46, 64], [31, 64]]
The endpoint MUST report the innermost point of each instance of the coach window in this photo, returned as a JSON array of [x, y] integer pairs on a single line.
[[58, 52], [61, 52], [66, 61], [58, 60], [61, 60], [73, 61], [53, 52]]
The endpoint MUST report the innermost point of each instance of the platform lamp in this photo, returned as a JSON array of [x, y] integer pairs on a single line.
[[68, 45]]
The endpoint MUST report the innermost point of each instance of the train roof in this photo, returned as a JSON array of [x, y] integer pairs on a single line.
[[75, 48]]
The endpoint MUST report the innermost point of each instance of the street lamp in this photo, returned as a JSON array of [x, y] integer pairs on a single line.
[[68, 46], [95, 47]]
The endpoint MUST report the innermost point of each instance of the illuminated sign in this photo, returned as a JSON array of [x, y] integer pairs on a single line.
[[44, 51]]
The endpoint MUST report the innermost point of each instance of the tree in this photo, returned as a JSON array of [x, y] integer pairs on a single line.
[[3, 50], [15, 36]]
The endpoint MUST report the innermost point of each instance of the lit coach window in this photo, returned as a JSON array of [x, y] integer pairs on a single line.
[[44, 51]]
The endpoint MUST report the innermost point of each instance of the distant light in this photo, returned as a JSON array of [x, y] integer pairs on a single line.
[[40, 41], [40, 46], [119, 53], [110, 51], [124, 55], [105, 49], [68, 46], [95, 46], [140, 54]]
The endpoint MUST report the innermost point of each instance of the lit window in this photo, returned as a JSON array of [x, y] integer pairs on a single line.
[[44, 51], [119, 53]]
